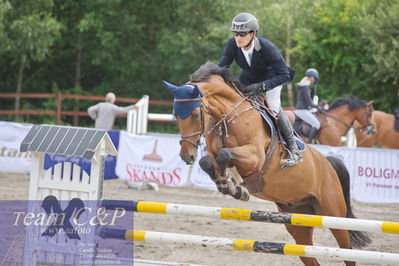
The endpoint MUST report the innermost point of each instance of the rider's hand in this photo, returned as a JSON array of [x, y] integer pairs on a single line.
[[319, 108], [254, 88]]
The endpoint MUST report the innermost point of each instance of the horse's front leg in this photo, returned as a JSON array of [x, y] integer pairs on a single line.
[[244, 157], [225, 184], [207, 165]]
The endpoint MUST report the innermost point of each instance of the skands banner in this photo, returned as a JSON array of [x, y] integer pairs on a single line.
[[151, 158]]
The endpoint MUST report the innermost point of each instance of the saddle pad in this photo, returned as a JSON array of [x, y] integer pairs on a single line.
[[269, 121], [299, 142]]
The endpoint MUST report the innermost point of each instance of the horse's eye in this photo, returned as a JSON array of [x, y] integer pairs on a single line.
[[195, 115]]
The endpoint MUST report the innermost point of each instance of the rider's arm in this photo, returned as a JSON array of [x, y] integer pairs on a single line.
[[228, 53], [93, 111], [307, 96], [276, 62]]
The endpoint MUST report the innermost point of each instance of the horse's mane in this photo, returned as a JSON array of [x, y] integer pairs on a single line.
[[353, 103], [208, 69]]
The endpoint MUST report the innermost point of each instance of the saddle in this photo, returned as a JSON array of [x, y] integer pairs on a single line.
[[271, 118], [396, 122], [303, 128], [254, 182]]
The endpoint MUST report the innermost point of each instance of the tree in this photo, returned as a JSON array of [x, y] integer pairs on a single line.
[[29, 32], [332, 44], [379, 28], [281, 21]]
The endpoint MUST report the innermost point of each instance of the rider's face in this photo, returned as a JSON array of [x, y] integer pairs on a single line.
[[241, 40]]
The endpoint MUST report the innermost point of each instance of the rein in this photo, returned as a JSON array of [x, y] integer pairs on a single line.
[[224, 119], [361, 129]]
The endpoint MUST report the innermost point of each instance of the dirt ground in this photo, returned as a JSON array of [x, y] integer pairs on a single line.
[[15, 187]]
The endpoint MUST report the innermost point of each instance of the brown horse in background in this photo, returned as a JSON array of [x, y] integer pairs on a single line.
[[339, 118], [386, 135], [237, 136]]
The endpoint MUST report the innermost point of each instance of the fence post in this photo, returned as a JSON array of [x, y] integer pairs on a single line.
[[59, 104]]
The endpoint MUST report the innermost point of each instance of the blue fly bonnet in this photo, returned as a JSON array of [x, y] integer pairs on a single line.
[[187, 98]]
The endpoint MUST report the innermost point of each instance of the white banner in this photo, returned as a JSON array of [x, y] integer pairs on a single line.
[[11, 159], [155, 158], [199, 178], [374, 172], [375, 176], [151, 158]]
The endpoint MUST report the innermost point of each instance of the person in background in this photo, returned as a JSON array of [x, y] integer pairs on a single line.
[[305, 91], [104, 113], [263, 71]]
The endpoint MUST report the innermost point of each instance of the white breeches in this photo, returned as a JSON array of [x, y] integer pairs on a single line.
[[308, 117], [273, 98]]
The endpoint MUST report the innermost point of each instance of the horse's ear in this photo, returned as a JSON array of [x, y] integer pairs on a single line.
[[172, 88], [370, 103], [197, 92]]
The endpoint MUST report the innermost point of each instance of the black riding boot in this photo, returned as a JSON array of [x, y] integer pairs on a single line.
[[294, 155], [312, 133]]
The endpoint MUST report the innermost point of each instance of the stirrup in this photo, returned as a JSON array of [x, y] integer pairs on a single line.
[[290, 161]]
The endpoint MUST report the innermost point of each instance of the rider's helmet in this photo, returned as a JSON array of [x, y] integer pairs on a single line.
[[244, 22], [311, 72]]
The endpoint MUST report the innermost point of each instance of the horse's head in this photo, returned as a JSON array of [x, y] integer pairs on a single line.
[[364, 118], [190, 118]]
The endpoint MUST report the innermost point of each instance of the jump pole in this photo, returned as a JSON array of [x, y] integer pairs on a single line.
[[251, 245], [255, 215]]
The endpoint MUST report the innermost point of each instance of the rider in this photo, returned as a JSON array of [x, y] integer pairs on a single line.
[[306, 90], [263, 70]]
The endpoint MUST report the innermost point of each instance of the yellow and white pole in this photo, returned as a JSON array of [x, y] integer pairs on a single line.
[[256, 215], [251, 245]]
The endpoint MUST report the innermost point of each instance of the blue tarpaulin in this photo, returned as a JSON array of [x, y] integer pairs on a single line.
[[110, 162]]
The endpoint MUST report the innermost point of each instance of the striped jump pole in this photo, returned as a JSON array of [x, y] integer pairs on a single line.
[[255, 215], [251, 245]]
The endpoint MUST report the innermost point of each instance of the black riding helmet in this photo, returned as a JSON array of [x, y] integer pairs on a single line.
[[311, 72]]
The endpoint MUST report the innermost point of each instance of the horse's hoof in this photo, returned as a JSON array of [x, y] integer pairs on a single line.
[[241, 194]]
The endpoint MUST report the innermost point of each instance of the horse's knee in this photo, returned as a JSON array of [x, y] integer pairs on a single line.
[[224, 156], [206, 164]]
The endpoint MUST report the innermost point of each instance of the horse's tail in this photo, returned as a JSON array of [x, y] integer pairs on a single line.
[[358, 239]]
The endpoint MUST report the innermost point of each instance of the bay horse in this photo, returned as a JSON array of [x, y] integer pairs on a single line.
[[339, 118], [387, 135], [236, 135]]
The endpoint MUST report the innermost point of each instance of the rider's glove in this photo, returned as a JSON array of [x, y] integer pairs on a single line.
[[254, 88], [319, 108]]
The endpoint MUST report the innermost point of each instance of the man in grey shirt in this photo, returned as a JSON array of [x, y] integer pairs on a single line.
[[104, 113]]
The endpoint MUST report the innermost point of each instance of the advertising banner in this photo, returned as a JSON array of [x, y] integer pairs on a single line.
[[374, 172], [11, 159], [375, 175], [151, 158]]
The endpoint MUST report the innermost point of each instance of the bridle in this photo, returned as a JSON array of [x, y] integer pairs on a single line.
[[224, 120], [200, 132], [348, 125]]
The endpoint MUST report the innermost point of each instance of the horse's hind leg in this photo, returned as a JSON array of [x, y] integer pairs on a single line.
[[343, 239], [336, 208], [302, 235]]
